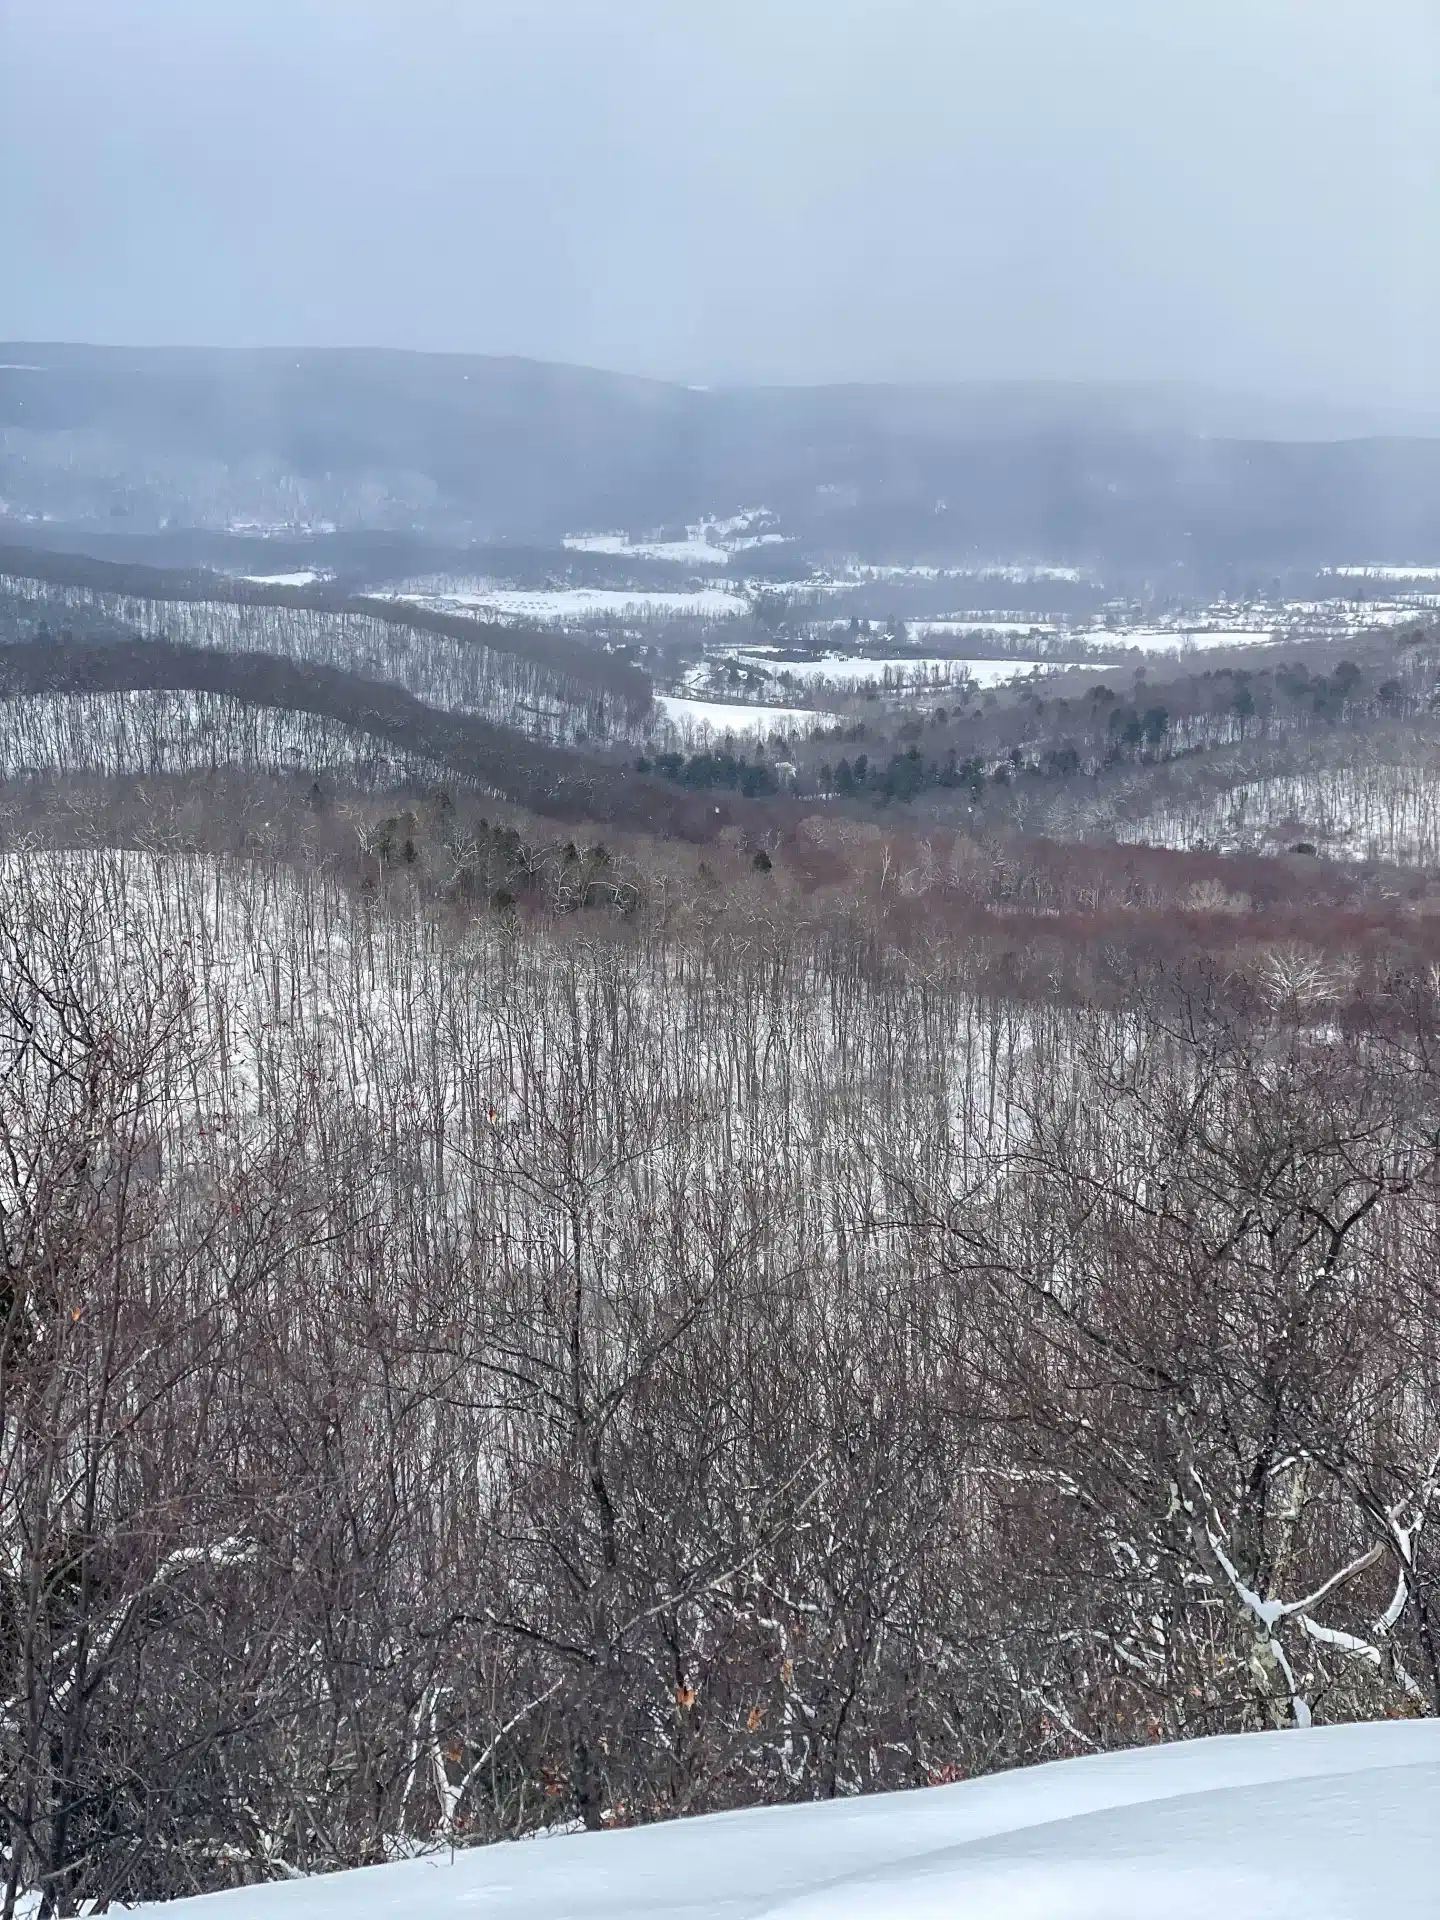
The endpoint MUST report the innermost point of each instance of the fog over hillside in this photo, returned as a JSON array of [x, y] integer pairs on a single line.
[[474, 447]]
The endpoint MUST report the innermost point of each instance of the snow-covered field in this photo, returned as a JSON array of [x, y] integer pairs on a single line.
[[1176, 639], [923, 628], [278, 529], [720, 717], [1382, 573], [701, 702], [1201, 629], [1225, 625], [559, 605], [1353, 616], [305, 577], [694, 550], [1334, 1823], [908, 671], [853, 670], [1021, 575], [1257, 623], [707, 544]]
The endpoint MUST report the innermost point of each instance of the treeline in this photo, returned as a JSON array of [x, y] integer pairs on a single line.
[[701, 771], [477, 863], [459, 1378]]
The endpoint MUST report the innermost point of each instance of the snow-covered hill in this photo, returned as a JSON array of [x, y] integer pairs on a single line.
[[1336, 1823]]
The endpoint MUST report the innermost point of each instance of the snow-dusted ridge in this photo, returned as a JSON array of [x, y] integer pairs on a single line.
[[1331, 1824]]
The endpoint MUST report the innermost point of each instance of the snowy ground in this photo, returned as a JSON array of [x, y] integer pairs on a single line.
[[861, 670], [1385, 807], [154, 732], [854, 670], [557, 605], [1176, 639], [1335, 1823], [1022, 575], [278, 529], [720, 717], [1255, 623], [1384, 573], [306, 577], [1355, 614], [1052, 646], [1010, 628], [707, 544], [695, 550], [1122, 628]]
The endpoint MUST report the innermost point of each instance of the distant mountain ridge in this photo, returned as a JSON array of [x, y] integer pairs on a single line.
[[477, 447]]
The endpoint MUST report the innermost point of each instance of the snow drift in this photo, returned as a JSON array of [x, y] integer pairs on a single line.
[[1329, 1824]]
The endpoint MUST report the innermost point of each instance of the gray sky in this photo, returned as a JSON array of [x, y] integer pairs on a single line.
[[1240, 192]]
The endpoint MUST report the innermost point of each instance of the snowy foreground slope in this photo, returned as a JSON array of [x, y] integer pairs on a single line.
[[1330, 1823]]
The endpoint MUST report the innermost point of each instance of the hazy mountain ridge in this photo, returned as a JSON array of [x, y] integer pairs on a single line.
[[479, 447]]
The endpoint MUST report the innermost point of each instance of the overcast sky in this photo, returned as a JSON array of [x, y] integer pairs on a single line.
[[1239, 192]]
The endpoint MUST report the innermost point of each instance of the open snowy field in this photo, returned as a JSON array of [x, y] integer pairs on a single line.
[[691, 716], [1256, 624], [909, 671], [305, 577], [1011, 628], [1331, 1824], [1013, 575], [1176, 639], [1383, 573], [856, 671], [707, 544], [695, 550], [559, 605]]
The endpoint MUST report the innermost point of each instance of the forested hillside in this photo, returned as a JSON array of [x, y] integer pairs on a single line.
[[538, 1292], [719, 961]]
